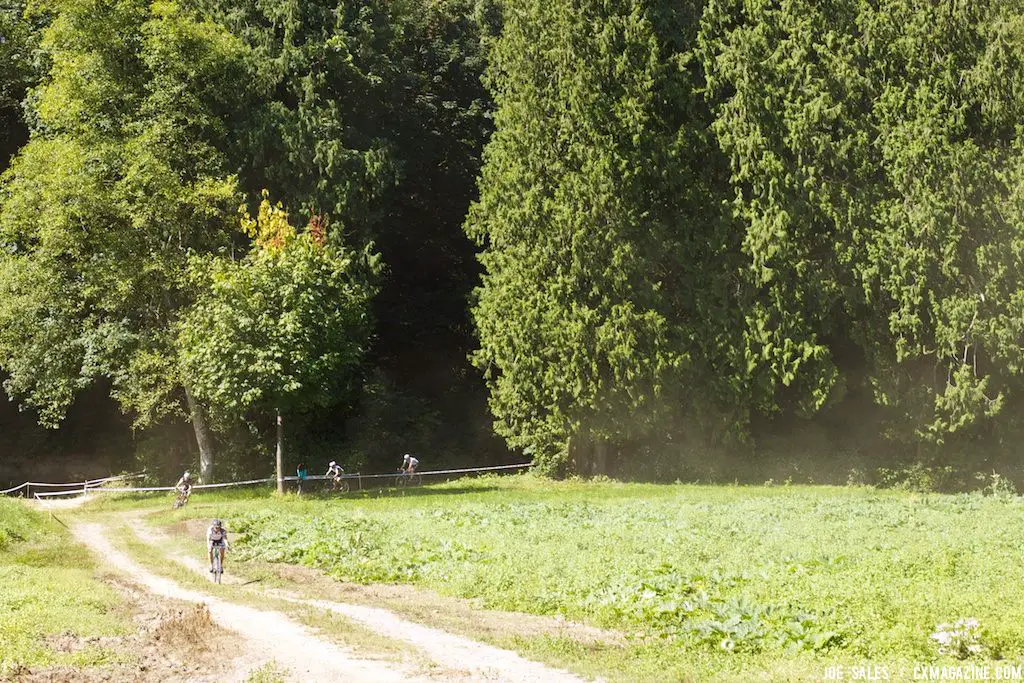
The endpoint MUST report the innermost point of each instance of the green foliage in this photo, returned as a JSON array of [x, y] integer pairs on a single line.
[[368, 94], [370, 112], [19, 37], [377, 120], [284, 329], [876, 153], [709, 583], [608, 290], [124, 177]]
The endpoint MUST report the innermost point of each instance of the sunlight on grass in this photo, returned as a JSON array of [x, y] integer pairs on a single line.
[[48, 588], [704, 581]]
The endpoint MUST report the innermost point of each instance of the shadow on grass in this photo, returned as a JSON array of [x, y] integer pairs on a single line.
[[391, 491], [384, 488]]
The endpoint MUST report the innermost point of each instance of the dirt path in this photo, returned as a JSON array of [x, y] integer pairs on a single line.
[[270, 636], [478, 660]]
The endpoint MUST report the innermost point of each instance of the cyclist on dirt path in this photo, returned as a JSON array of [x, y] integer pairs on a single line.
[[184, 486], [216, 538]]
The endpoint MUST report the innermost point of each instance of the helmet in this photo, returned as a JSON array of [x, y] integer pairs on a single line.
[[187, 475], [333, 463], [216, 523], [407, 456]]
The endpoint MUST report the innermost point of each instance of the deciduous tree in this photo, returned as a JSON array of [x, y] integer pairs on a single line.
[[283, 330], [124, 177]]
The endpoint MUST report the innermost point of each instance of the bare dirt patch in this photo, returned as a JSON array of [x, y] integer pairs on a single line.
[[171, 641]]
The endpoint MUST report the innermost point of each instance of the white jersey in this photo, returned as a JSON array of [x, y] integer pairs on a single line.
[[333, 471], [214, 535], [413, 463]]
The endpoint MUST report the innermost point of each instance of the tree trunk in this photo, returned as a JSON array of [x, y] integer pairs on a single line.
[[572, 446], [600, 461], [280, 453], [203, 438], [581, 454], [588, 455]]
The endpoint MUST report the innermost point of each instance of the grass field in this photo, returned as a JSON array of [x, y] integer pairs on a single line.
[[704, 582], [48, 589]]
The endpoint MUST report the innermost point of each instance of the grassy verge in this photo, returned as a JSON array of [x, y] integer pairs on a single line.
[[706, 582], [48, 588]]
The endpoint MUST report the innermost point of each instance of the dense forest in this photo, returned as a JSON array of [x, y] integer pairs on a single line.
[[699, 239]]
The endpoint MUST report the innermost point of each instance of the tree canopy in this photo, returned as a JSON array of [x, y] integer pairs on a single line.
[[660, 231], [764, 206], [283, 330]]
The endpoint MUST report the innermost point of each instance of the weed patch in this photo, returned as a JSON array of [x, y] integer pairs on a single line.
[[49, 596], [705, 582]]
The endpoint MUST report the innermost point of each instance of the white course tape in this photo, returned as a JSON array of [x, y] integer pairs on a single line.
[[78, 486], [92, 486], [461, 471]]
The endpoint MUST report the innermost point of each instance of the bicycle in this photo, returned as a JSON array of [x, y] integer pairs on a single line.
[[182, 498], [339, 485], [405, 478], [218, 568]]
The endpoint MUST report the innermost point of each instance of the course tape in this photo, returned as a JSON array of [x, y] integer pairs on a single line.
[[79, 486], [267, 480], [83, 484]]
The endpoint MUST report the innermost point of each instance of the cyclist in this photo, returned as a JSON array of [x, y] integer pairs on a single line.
[[334, 471], [216, 540], [184, 487], [409, 464]]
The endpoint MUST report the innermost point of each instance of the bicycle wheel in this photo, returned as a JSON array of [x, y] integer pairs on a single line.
[[343, 485], [217, 568], [416, 479]]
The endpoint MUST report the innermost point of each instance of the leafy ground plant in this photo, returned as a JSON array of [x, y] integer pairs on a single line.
[[704, 582]]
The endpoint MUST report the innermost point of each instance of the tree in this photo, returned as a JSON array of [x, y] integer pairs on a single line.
[[283, 330], [18, 71], [609, 294], [876, 156], [377, 120], [126, 174]]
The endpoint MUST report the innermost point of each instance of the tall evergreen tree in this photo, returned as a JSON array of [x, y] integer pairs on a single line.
[[611, 269], [876, 156]]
